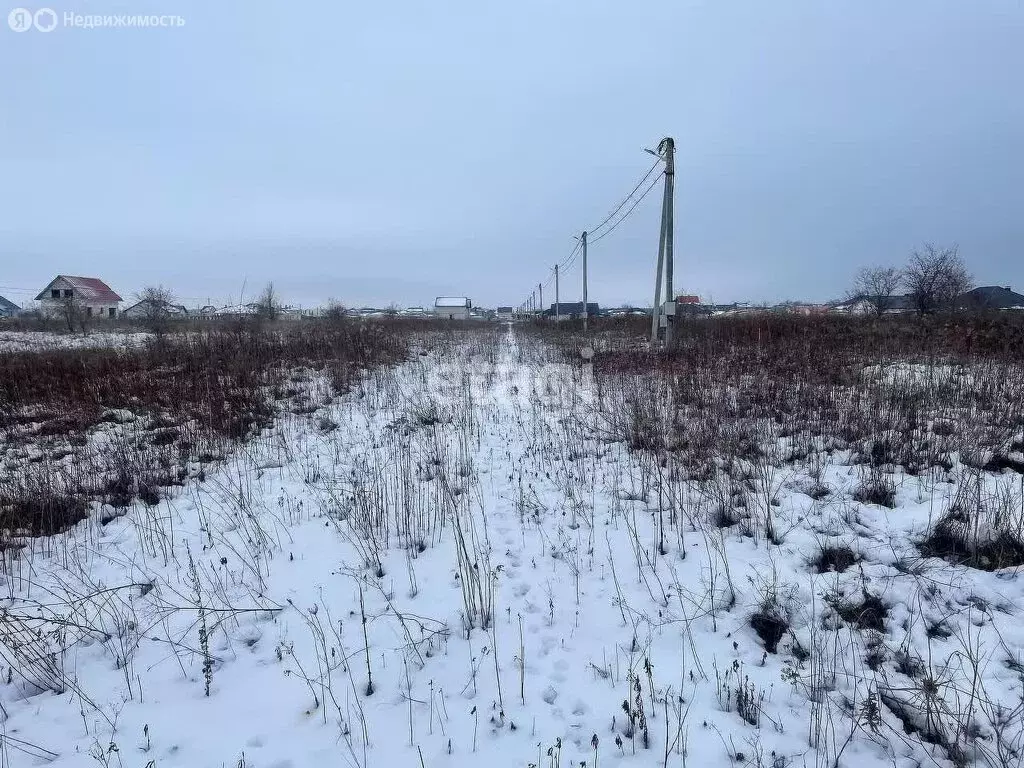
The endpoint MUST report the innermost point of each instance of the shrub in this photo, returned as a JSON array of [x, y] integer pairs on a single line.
[[981, 528], [876, 488]]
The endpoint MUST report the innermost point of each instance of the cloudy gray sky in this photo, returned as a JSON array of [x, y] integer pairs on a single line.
[[393, 151]]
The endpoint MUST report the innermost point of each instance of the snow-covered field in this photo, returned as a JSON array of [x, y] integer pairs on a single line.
[[35, 341], [457, 565]]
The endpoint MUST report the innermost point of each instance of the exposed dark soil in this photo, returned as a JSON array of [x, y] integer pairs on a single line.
[[771, 628], [836, 559], [870, 613]]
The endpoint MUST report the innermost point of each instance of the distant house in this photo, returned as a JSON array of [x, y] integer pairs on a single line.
[[148, 308], [736, 308], [991, 297], [805, 309], [627, 311], [689, 305], [452, 307], [505, 313], [8, 308], [572, 310], [864, 305], [90, 295]]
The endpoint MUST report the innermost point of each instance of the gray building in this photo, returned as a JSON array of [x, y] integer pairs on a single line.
[[572, 310], [452, 307], [991, 297], [8, 308]]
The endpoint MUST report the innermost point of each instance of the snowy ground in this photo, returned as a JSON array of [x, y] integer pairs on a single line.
[[453, 567], [37, 341]]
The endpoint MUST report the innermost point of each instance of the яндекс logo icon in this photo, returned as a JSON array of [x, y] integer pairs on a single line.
[[20, 19]]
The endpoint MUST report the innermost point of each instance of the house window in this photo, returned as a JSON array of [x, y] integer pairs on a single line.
[[55, 293], [112, 311], [88, 311], [67, 293]]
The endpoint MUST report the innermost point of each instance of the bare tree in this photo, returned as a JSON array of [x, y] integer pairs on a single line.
[[74, 314], [268, 305], [876, 285], [335, 313], [936, 277], [157, 304]]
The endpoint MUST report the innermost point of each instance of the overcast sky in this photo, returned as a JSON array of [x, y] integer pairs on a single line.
[[394, 151]]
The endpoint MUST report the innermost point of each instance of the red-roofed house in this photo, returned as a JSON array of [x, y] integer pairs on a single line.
[[91, 295]]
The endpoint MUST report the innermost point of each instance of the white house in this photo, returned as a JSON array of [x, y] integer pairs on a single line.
[[864, 305], [148, 308], [452, 307], [89, 295]]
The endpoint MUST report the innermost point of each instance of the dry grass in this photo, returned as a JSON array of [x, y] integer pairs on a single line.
[[180, 398]]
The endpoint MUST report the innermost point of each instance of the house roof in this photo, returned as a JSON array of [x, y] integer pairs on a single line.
[[573, 308], [7, 306], [992, 297], [91, 288], [168, 306], [451, 301], [896, 302]]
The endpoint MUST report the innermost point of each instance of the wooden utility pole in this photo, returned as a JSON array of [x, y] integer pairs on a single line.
[[558, 309], [540, 287], [666, 150], [586, 312]]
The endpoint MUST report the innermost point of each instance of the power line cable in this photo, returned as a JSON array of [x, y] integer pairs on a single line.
[[574, 254], [625, 216], [627, 198]]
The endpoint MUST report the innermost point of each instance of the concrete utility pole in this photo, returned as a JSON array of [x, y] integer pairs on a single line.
[[666, 150], [670, 185], [540, 288], [586, 313], [558, 309], [656, 309]]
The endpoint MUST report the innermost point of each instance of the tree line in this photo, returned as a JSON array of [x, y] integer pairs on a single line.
[[933, 279]]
